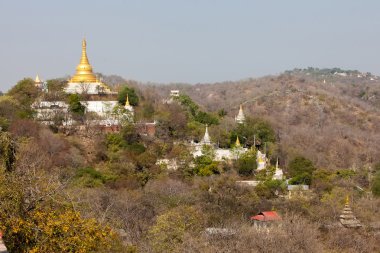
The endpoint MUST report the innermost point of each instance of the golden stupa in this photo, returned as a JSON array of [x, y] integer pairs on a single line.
[[237, 143], [84, 72]]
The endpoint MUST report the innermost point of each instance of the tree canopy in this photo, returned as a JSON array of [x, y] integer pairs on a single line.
[[132, 96]]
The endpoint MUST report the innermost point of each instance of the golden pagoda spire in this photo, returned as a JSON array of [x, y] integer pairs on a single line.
[[347, 200], [127, 101], [37, 80], [237, 143], [84, 59], [84, 69]]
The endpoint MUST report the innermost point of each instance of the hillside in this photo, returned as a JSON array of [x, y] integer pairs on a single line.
[[127, 188], [332, 119]]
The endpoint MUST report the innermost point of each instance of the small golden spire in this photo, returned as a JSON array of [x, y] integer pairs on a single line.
[[84, 59], [37, 80], [347, 200], [237, 143], [127, 101]]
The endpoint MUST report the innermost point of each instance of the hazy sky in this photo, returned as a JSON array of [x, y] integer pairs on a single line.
[[186, 40]]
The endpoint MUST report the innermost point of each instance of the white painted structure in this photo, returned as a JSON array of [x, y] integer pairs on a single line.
[[101, 108], [261, 160], [251, 183], [87, 88], [174, 93], [278, 174], [48, 110]]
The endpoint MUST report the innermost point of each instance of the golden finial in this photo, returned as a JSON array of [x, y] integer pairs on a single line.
[[347, 200], [37, 80], [237, 143], [84, 59], [127, 101]]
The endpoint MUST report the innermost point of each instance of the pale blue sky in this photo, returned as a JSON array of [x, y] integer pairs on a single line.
[[186, 40]]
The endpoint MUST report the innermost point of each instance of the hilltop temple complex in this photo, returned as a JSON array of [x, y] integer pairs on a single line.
[[233, 153], [108, 112]]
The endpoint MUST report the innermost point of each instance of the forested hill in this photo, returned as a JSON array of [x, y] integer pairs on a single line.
[[330, 116]]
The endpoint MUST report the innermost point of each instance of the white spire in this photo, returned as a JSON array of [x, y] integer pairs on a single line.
[[278, 174], [206, 138], [240, 118]]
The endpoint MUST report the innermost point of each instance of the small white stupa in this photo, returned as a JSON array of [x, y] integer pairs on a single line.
[[261, 159], [206, 138], [278, 174], [240, 118]]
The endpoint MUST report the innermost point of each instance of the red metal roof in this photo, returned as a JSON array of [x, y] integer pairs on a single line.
[[266, 216]]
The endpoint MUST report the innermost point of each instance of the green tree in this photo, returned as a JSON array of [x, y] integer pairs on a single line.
[[55, 90], [253, 130], [301, 170], [25, 92], [132, 96], [270, 188], [195, 113], [75, 106], [222, 112], [246, 163]]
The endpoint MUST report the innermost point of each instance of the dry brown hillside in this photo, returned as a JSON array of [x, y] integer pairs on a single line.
[[335, 121]]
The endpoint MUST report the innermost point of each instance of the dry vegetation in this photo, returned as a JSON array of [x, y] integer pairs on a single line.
[[105, 192], [335, 124]]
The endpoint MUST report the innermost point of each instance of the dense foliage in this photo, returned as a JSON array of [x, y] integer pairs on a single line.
[[301, 170], [132, 96]]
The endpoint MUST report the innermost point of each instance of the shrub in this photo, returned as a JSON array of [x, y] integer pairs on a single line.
[[168, 233], [75, 106], [246, 163], [376, 185], [301, 170], [89, 177]]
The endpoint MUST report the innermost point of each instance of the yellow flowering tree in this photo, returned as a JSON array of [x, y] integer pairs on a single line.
[[36, 217]]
